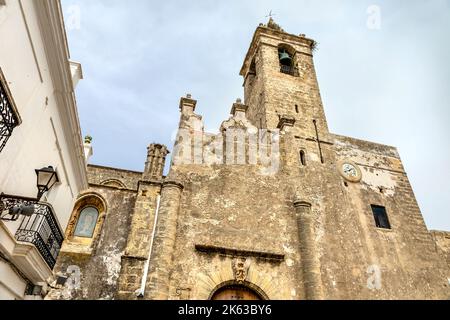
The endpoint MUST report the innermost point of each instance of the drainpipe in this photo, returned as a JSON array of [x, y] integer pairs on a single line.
[[141, 291]]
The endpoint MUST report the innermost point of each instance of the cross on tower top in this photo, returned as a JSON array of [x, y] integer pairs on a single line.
[[270, 15], [272, 24]]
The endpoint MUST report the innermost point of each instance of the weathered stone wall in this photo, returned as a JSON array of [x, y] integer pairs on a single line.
[[138, 240], [100, 268], [237, 209], [135, 260], [299, 231], [406, 255], [442, 240], [218, 210], [99, 175]]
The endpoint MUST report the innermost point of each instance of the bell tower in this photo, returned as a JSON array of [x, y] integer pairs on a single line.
[[280, 82]]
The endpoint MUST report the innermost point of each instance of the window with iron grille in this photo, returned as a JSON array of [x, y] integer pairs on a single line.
[[381, 217], [9, 118]]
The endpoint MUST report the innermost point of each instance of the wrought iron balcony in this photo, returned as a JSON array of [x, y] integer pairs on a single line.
[[41, 228], [8, 118], [291, 70]]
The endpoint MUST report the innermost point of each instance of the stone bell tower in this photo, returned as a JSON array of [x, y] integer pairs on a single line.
[[280, 81]]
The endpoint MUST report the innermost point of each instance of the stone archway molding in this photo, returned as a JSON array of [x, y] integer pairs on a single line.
[[209, 283]]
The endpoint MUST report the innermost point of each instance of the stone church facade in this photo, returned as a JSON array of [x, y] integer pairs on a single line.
[[273, 207]]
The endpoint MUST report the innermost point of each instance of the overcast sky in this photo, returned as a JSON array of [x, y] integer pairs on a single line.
[[383, 80]]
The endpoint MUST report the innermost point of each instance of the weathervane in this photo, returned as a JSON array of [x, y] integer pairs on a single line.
[[270, 15], [271, 24]]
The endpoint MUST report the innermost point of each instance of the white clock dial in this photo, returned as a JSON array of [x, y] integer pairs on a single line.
[[349, 170]]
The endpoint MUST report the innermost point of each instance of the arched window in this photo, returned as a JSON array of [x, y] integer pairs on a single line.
[[302, 158], [235, 292], [86, 223], [114, 183]]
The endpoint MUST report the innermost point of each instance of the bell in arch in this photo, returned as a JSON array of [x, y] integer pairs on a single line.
[[285, 58]]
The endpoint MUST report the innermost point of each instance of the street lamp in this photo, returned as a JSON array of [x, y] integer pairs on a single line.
[[46, 179], [16, 206]]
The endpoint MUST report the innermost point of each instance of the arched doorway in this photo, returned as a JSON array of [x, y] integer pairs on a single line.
[[236, 292]]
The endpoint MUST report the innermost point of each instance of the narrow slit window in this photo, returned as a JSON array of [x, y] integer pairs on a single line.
[[296, 109], [252, 70], [381, 217], [302, 158]]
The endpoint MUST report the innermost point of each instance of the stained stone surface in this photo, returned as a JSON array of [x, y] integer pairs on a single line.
[[299, 232]]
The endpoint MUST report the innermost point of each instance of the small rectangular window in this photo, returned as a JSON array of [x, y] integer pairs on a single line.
[[381, 217]]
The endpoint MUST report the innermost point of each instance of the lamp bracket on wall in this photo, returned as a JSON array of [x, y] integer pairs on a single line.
[[12, 207]]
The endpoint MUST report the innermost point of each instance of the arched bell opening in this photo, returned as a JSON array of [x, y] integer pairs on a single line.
[[286, 57]]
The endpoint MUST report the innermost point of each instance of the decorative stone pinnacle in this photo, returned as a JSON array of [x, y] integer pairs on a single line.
[[188, 102], [238, 106], [151, 149], [156, 159]]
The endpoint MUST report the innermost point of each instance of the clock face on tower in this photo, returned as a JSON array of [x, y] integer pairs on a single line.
[[350, 171]]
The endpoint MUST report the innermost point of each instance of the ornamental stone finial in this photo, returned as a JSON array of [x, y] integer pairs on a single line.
[[156, 159], [187, 104]]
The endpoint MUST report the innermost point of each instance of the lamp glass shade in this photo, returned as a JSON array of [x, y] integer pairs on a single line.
[[46, 178]]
